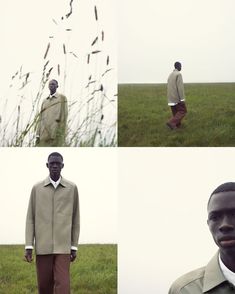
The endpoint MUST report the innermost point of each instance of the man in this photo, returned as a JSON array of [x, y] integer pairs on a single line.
[[176, 97], [218, 277], [53, 224], [52, 121]]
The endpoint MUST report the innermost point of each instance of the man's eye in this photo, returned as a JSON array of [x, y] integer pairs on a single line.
[[214, 217]]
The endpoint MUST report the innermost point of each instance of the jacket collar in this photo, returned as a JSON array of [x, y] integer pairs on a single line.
[[213, 274], [48, 182], [55, 95]]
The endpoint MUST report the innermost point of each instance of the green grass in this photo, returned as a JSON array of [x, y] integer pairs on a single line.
[[143, 113], [94, 271]]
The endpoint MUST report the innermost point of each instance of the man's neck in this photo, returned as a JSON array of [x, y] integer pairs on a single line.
[[55, 178], [228, 260], [52, 93]]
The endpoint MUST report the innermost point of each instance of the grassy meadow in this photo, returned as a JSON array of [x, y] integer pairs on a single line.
[[93, 272], [143, 113]]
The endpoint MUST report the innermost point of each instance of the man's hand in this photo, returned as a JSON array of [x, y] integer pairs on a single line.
[[28, 255], [73, 255]]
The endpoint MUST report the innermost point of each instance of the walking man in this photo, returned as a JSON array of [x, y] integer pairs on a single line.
[[176, 97], [52, 226], [218, 277], [52, 120]]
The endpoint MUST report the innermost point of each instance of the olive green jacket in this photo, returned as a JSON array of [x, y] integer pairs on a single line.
[[209, 279], [52, 120], [175, 87], [53, 220]]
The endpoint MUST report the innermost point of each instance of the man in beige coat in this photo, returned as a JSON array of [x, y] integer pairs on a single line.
[[52, 227], [52, 121], [218, 276], [176, 97]]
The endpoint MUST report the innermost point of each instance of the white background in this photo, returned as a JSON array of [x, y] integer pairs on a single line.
[[163, 194], [94, 170], [153, 34]]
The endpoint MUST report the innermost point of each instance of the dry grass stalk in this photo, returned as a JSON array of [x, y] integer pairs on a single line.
[[64, 49], [96, 14], [93, 43], [48, 47]]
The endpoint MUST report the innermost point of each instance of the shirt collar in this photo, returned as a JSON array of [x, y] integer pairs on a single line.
[[229, 275], [47, 182], [55, 95], [213, 274]]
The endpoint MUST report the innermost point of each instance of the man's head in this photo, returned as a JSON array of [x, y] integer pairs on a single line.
[[221, 218], [178, 66], [53, 85], [55, 165]]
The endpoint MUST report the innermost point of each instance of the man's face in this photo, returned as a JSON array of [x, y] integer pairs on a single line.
[[55, 165], [179, 66], [221, 221], [53, 85]]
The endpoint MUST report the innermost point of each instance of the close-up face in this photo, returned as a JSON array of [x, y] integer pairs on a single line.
[[53, 85], [55, 165], [221, 220]]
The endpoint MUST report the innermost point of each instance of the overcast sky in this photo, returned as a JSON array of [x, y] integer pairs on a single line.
[[152, 35], [163, 194], [94, 170]]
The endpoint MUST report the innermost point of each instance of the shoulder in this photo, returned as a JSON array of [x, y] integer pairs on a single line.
[[62, 97], [36, 187], [190, 280], [68, 183]]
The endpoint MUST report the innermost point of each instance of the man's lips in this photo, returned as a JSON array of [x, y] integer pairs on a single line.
[[227, 241]]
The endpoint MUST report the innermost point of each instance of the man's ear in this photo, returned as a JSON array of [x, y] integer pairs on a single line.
[[47, 165], [62, 165]]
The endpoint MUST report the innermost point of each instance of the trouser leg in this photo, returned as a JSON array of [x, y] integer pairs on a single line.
[[61, 273], [179, 111], [44, 265]]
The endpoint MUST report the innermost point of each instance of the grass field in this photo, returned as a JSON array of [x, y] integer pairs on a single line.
[[94, 271], [143, 113]]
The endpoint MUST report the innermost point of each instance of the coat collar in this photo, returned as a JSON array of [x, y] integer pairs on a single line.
[[48, 182], [55, 95], [213, 274]]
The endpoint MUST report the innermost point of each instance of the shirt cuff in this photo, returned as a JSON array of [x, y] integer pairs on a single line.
[[74, 248], [28, 247]]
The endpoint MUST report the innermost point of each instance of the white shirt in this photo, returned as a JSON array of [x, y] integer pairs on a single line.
[[55, 185], [229, 275]]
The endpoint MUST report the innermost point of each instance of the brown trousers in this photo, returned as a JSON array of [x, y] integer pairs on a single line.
[[179, 111], [53, 273]]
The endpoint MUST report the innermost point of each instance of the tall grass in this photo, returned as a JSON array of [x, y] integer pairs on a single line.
[[92, 118]]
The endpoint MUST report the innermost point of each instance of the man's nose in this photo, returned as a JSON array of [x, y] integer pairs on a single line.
[[226, 225]]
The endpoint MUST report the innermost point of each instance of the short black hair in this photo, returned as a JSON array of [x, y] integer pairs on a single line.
[[55, 154], [226, 187], [177, 63], [54, 81]]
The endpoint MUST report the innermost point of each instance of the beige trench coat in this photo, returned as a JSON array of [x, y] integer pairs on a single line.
[[52, 121], [53, 219], [175, 87]]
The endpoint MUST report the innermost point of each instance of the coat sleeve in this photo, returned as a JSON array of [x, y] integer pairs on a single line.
[[180, 87], [30, 221], [64, 110], [76, 219]]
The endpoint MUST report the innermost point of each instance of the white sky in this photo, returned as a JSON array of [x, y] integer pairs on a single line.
[[94, 170], [26, 27], [152, 35], [163, 194]]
